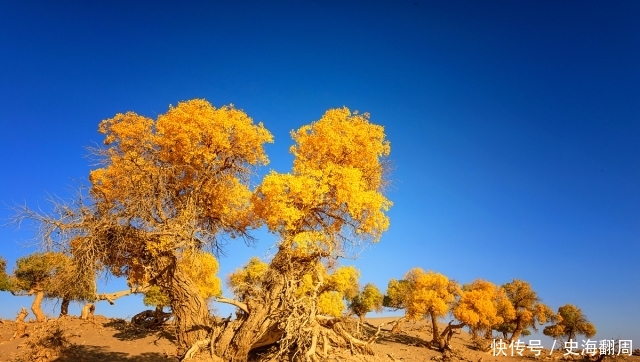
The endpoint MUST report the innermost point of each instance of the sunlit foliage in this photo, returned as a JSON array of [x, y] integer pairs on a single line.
[[50, 275], [367, 300], [169, 187], [397, 294], [37, 271], [5, 284], [482, 305], [570, 322], [432, 294], [529, 311], [335, 186], [156, 298], [249, 278]]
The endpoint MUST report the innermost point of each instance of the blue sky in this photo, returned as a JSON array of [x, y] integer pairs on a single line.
[[514, 126]]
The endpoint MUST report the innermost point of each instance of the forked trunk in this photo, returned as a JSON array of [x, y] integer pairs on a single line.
[[64, 307], [36, 306], [434, 325], [258, 327]]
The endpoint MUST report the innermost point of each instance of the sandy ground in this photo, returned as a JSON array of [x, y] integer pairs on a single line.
[[115, 340]]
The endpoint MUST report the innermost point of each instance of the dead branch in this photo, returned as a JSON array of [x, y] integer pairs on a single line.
[[233, 302]]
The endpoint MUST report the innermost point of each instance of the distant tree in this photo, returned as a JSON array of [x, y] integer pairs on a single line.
[[39, 274], [367, 300], [5, 282], [570, 322], [396, 298], [431, 295], [482, 305], [529, 311], [397, 294]]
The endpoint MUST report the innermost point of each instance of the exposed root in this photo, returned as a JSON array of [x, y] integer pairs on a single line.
[[193, 350]]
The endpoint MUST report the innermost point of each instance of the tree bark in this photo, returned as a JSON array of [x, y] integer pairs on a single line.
[[258, 323], [36, 306], [434, 325], [190, 311], [64, 307]]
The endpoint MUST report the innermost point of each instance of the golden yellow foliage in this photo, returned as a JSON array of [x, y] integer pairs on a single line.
[[336, 183], [183, 175], [570, 322], [367, 300], [397, 294], [482, 305], [249, 277], [332, 288], [331, 303], [344, 280], [432, 294], [202, 267], [529, 312]]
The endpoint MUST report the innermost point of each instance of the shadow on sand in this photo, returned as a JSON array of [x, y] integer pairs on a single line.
[[97, 353]]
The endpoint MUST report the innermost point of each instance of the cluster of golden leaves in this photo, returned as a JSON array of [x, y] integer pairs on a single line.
[[331, 288], [336, 183], [528, 309], [170, 186], [431, 294], [569, 322], [482, 305], [185, 172], [368, 299], [249, 278]]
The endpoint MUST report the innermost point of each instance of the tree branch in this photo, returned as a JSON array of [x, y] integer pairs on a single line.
[[234, 302]]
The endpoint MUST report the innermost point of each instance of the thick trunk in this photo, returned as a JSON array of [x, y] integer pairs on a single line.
[[64, 307], [445, 337], [258, 328], [190, 311], [36, 306], [434, 325]]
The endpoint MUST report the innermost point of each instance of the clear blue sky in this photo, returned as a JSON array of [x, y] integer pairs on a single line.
[[514, 125]]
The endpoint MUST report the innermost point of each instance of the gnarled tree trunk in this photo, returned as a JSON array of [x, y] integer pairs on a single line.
[[36, 306], [256, 328], [190, 311]]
